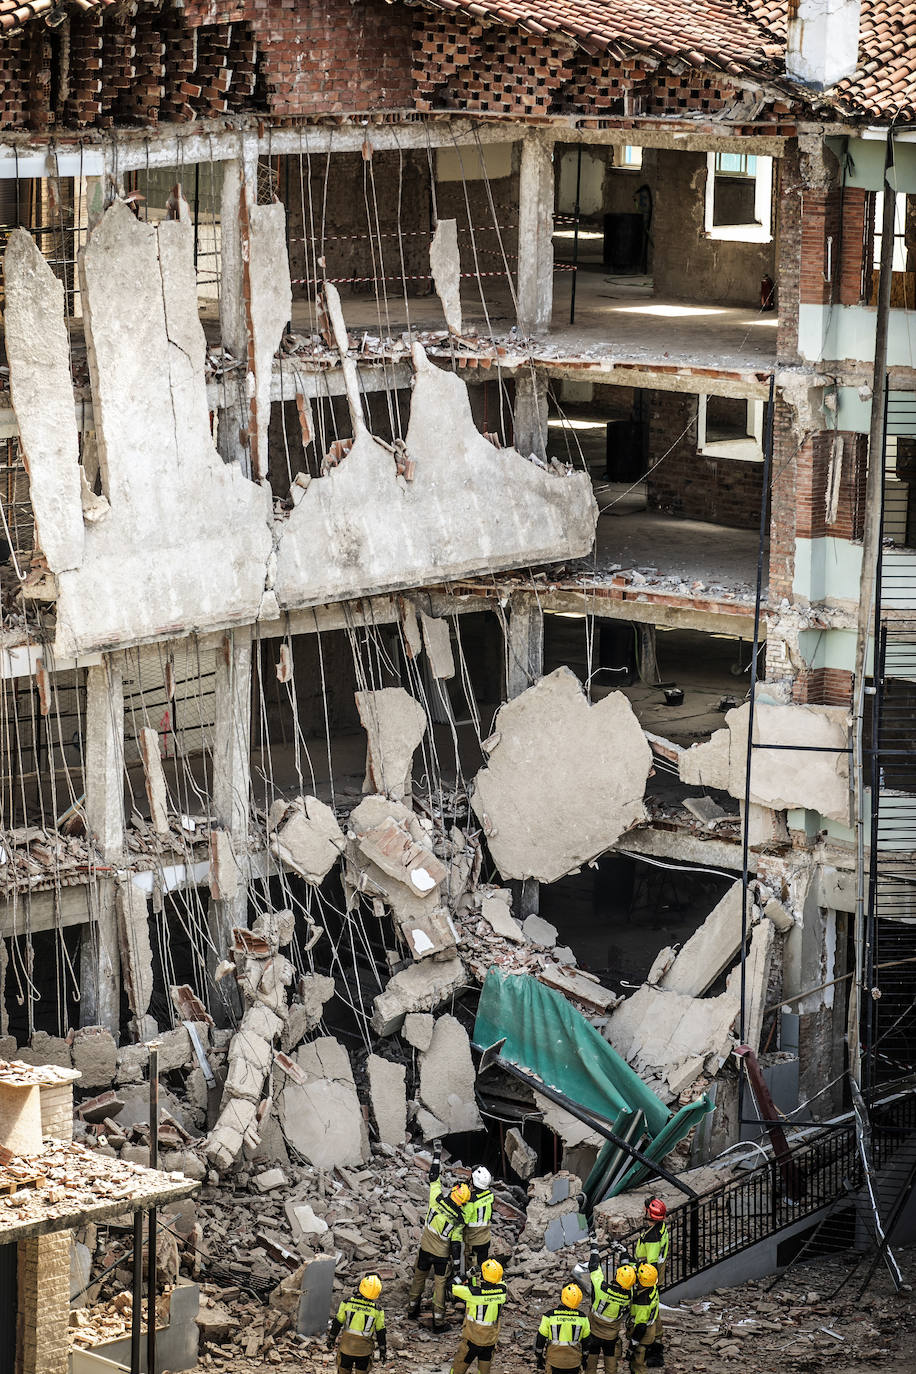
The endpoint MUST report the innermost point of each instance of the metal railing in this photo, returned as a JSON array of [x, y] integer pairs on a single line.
[[773, 1196]]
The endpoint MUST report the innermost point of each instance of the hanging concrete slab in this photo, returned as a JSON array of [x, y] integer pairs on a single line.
[[564, 780]]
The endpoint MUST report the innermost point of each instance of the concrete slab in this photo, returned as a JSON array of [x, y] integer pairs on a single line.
[[394, 723], [564, 780], [786, 778], [445, 265], [447, 1077], [438, 641], [388, 1094], [38, 352], [322, 1118], [659, 1032], [711, 948], [178, 560]]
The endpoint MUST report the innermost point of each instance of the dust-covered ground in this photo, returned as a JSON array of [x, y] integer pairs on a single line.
[[801, 1324]]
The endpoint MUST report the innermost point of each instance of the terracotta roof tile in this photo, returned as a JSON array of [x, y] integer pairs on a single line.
[[740, 37], [15, 13]]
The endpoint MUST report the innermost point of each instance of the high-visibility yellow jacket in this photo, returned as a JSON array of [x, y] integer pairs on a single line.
[[643, 1310], [562, 1331], [483, 1303], [610, 1304], [652, 1246], [359, 1323]]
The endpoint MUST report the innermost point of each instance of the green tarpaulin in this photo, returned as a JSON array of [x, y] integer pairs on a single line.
[[546, 1035]]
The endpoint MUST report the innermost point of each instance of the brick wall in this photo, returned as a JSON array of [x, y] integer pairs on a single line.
[[823, 687], [725, 491], [816, 464], [788, 252], [782, 504], [43, 1304], [325, 57], [338, 217], [832, 246]]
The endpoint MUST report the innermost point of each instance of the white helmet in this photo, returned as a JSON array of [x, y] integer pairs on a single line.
[[481, 1177]]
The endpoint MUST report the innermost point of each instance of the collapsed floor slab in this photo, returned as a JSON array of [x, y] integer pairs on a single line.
[[564, 779]]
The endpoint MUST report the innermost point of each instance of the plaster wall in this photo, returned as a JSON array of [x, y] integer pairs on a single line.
[[689, 263]]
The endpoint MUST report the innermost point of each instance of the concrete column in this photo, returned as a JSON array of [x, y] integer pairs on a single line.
[[100, 963], [530, 415], [232, 416], [535, 235], [525, 653], [231, 784]]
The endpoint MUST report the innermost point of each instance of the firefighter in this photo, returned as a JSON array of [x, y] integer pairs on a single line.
[[440, 1242], [643, 1315], [477, 1215], [360, 1324], [483, 1299], [652, 1248], [562, 1333], [609, 1312]]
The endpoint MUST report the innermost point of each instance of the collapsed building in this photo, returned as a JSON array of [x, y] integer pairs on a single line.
[[456, 511]]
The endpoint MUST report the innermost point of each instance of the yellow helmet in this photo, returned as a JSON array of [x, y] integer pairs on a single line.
[[461, 1194], [491, 1270], [370, 1287], [647, 1274], [571, 1295], [625, 1276]]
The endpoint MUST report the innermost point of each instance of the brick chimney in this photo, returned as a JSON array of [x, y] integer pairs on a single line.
[[823, 41]]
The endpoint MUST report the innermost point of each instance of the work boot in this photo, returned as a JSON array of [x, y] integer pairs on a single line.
[[413, 1309], [439, 1322], [655, 1356]]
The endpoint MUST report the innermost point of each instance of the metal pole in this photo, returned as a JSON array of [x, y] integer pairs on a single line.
[[755, 652], [871, 552], [575, 255], [137, 1303], [153, 1219]]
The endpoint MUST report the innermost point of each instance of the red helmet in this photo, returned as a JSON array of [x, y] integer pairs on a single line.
[[656, 1209]]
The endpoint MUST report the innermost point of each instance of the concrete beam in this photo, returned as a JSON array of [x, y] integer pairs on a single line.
[[231, 784], [100, 961], [49, 910]]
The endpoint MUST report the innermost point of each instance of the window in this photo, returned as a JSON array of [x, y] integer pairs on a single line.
[[629, 156], [899, 264], [736, 164], [739, 195], [730, 427]]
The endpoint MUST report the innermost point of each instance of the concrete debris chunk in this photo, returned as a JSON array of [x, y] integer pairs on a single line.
[[494, 908], [580, 988], [303, 1220], [417, 1029], [707, 764], [224, 870], [523, 1160], [421, 987], [154, 779], [134, 942], [95, 1055], [539, 932], [395, 723], [438, 642], [563, 782], [757, 975], [309, 839], [388, 1095], [658, 1032], [270, 1179], [431, 1127], [706, 811], [447, 1077], [322, 1118], [445, 265], [391, 847], [711, 948]]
